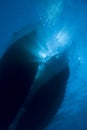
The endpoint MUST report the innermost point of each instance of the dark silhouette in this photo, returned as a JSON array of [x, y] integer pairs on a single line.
[[16, 77], [19, 67], [45, 103]]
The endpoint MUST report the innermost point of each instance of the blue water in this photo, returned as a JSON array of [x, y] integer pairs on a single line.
[[64, 23]]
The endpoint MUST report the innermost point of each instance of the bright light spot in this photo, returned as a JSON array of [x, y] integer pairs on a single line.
[[62, 38], [79, 58], [55, 45], [42, 54]]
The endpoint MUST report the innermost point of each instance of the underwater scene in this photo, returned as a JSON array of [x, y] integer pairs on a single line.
[[43, 64]]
